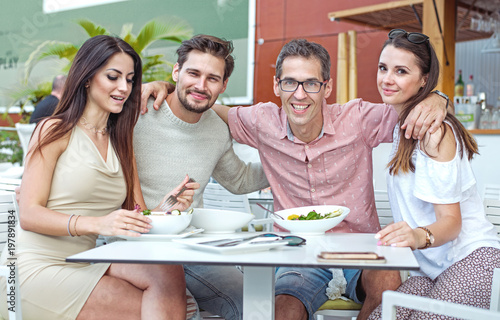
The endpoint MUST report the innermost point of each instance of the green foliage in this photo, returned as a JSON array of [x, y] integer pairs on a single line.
[[10, 147], [155, 67]]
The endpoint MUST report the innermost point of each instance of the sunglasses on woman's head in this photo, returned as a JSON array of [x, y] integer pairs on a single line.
[[413, 37]]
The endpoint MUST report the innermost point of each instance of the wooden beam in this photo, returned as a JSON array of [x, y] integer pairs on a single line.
[[342, 74], [444, 44], [370, 9], [353, 66]]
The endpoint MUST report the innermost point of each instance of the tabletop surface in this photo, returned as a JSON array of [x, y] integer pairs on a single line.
[[169, 252]]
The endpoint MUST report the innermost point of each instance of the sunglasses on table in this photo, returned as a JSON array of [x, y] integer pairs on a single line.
[[413, 37], [292, 240]]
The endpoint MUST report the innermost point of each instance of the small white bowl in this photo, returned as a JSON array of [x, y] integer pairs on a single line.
[[220, 221], [310, 226], [167, 223]]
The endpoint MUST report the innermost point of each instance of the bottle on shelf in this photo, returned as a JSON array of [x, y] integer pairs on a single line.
[[495, 120], [485, 119], [469, 89], [459, 85]]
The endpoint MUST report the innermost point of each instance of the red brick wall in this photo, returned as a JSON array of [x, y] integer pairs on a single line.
[[278, 21]]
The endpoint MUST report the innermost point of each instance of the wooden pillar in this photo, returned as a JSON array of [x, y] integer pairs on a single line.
[[353, 66], [342, 75], [447, 17]]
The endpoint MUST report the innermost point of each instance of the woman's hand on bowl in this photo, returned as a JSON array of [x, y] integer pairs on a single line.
[[124, 222]]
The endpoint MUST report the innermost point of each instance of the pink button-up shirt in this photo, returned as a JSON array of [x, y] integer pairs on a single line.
[[334, 169]]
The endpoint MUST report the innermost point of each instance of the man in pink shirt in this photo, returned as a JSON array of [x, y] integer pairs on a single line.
[[319, 154], [316, 154]]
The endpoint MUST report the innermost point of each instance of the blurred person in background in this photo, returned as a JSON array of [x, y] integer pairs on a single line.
[[47, 106]]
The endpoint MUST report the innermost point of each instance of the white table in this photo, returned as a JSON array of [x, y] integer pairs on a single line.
[[259, 267]]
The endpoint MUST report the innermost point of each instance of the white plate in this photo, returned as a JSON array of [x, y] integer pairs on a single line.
[[189, 231], [242, 248]]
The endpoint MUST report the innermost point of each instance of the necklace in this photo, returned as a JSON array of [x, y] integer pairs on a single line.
[[93, 128]]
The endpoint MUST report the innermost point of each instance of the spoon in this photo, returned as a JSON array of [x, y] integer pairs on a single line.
[[274, 214]]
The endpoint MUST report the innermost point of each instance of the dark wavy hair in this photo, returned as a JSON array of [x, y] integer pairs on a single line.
[[428, 63], [305, 49], [217, 47], [92, 56]]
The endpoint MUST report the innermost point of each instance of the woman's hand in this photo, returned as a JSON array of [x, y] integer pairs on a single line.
[[124, 222], [184, 200], [399, 234]]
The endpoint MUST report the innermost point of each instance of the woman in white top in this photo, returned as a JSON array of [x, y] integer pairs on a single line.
[[432, 190]]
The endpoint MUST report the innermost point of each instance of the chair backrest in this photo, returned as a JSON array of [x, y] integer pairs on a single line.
[[492, 210], [216, 196], [383, 207], [8, 220], [392, 299], [491, 191], [8, 215], [24, 131], [9, 184]]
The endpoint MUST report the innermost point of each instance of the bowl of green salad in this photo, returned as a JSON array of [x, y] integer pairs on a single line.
[[311, 219]]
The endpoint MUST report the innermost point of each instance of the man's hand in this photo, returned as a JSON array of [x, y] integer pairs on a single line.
[[159, 90], [428, 115]]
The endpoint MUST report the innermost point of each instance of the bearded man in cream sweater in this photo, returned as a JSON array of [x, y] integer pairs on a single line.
[[186, 137]]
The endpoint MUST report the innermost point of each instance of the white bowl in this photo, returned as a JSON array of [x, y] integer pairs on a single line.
[[220, 221], [168, 224], [310, 226]]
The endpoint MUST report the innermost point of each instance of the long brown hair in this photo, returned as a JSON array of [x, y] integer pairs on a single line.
[[428, 63], [92, 56]]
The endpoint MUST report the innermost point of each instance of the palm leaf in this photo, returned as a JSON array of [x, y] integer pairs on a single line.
[[27, 93], [62, 50], [91, 28], [175, 30], [126, 33]]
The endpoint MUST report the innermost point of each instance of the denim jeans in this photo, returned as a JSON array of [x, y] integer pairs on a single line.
[[309, 285], [217, 289]]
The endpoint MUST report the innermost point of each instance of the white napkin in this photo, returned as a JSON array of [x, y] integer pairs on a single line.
[[336, 286]]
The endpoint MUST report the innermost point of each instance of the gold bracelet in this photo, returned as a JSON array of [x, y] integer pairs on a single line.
[[76, 220]]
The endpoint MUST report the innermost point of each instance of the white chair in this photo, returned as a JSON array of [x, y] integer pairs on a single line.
[[492, 211], [216, 196], [9, 184], [383, 207], [392, 299], [491, 191], [24, 131], [9, 208]]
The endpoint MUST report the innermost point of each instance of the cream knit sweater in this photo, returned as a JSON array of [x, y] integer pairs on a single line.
[[167, 148]]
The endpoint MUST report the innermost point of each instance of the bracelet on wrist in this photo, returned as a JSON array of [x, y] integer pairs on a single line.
[[74, 227], [69, 220], [429, 238]]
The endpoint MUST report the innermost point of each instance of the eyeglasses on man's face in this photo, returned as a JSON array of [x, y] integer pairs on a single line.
[[310, 86], [413, 37]]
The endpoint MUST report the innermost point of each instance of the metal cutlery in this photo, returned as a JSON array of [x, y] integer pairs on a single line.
[[172, 200]]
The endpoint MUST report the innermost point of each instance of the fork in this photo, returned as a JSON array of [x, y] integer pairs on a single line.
[[172, 200]]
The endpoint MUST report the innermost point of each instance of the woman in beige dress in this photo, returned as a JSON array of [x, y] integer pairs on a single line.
[[80, 180]]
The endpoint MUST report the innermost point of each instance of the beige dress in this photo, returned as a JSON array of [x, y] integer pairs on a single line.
[[84, 184]]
